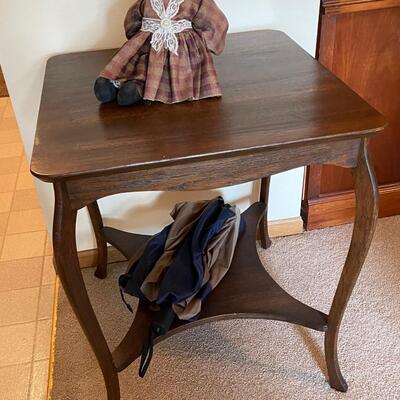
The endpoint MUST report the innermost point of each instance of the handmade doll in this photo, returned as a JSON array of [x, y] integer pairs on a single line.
[[167, 57]]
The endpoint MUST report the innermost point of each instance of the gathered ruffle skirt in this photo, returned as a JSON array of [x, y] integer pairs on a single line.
[[164, 76]]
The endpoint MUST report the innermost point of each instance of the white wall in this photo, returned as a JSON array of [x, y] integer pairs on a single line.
[[32, 31]]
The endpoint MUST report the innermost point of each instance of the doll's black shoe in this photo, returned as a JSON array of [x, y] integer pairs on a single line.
[[105, 90], [128, 94]]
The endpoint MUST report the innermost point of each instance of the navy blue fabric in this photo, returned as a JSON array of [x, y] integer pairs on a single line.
[[184, 277], [132, 281], [205, 291], [207, 288]]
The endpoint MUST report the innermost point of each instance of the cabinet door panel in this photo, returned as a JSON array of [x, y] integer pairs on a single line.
[[365, 54], [359, 41]]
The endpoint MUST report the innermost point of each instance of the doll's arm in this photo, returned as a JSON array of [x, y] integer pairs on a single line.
[[211, 23], [133, 20]]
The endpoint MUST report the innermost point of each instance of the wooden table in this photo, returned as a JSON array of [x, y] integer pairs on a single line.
[[280, 110]]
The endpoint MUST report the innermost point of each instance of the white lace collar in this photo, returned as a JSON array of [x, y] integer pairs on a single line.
[[164, 29]]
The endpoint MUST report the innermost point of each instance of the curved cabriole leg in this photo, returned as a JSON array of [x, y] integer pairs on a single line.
[[264, 196], [69, 272], [364, 228], [97, 222]]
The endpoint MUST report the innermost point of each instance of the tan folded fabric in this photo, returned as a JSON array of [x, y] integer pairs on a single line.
[[217, 262], [185, 216], [217, 258]]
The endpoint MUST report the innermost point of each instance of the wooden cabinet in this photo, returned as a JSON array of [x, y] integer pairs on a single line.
[[359, 41]]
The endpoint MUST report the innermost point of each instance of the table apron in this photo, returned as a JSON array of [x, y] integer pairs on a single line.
[[213, 173]]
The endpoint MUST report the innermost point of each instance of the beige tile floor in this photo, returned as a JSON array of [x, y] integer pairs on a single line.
[[27, 277]]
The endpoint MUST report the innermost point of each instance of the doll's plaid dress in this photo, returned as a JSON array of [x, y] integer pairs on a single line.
[[168, 52]]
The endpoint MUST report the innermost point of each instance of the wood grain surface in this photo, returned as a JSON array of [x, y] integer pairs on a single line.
[[281, 109], [275, 94], [3, 87], [359, 42]]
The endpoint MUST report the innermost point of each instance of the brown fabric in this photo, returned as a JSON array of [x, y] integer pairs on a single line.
[[217, 261], [164, 76], [185, 215]]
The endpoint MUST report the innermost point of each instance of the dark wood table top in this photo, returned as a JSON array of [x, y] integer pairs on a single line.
[[275, 95]]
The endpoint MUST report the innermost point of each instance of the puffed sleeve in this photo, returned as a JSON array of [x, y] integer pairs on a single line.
[[133, 19], [211, 23]]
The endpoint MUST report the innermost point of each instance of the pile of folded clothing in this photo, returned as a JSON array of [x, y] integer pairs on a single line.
[[180, 266]]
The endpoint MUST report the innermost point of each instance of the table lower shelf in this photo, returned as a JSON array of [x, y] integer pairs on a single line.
[[247, 291]]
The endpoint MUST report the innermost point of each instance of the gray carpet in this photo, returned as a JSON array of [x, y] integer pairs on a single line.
[[258, 359]]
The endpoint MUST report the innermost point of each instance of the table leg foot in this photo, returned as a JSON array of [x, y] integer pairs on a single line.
[[336, 379], [364, 227], [70, 275], [97, 222], [264, 196]]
